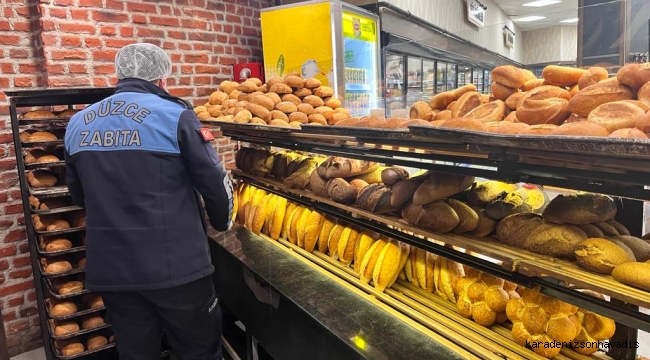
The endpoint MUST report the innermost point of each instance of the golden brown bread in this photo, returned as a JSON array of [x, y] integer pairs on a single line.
[[58, 245], [465, 124], [278, 122], [562, 75], [643, 94], [616, 115], [333, 103], [481, 298], [513, 101], [629, 134], [47, 159], [312, 83], [420, 110], [294, 81], [457, 93], [601, 255], [65, 328], [580, 209], [502, 92], [441, 185], [96, 341], [506, 127], [512, 117], [95, 302], [324, 91], [634, 75], [301, 93], [594, 75], [509, 75], [69, 287], [443, 115], [280, 89], [72, 349], [575, 118], [93, 322], [63, 308], [58, 224], [531, 84], [594, 328], [490, 112], [636, 274], [546, 92], [466, 103], [442, 100], [32, 155], [320, 119], [595, 95], [58, 267], [292, 99], [643, 123], [38, 114], [581, 129], [418, 122], [40, 136], [274, 97], [548, 111], [263, 101]]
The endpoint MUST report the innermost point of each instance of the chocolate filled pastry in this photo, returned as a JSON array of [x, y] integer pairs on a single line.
[[41, 179], [93, 322]]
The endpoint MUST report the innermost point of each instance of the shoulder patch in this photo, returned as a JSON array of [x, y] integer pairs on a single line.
[[206, 134]]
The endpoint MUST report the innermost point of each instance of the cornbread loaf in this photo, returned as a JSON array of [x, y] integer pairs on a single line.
[[446, 275], [509, 75], [548, 111], [340, 191], [595, 95], [492, 111], [96, 341], [581, 129], [616, 115], [312, 230], [63, 309], [435, 216], [481, 298], [562, 75], [466, 103], [364, 241], [440, 186], [41, 179], [580, 209], [601, 255], [486, 224], [389, 264], [639, 247], [323, 238], [542, 320], [66, 327], [468, 218], [72, 349], [594, 75], [634, 75], [594, 328], [393, 175], [58, 267], [334, 238], [635, 274], [501, 92], [541, 129], [419, 269]]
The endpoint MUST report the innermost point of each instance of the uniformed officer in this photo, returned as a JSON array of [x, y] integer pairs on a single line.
[[139, 162]]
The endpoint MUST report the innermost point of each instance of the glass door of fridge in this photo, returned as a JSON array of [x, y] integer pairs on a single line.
[[428, 79], [395, 86], [414, 80]]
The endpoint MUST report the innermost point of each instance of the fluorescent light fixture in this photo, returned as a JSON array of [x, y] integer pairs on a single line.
[[541, 3], [570, 21], [530, 18]]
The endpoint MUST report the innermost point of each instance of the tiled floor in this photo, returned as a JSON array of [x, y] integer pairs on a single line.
[[37, 354]]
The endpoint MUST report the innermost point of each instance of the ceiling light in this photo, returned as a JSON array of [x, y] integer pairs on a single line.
[[529, 18], [541, 3], [570, 21]]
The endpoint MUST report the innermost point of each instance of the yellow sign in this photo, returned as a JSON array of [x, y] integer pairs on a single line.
[[298, 39], [359, 27]]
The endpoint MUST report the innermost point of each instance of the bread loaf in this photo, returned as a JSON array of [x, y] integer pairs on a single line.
[[466, 103], [580, 209], [63, 309], [601, 255], [492, 111], [58, 224], [643, 95], [340, 191], [507, 127], [555, 240], [594, 75], [47, 159], [634, 75], [538, 130], [616, 115], [486, 224], [562, 75], [393, 175], [581, 129], [338, 167], [441, 101], [93, 322], [594, 328], [440, 186], [312, 83], [95, 302], [465, 124], [41, 179], [420, 110], [508, 203], [457, 93], [58, 245], [58, 267], [446, 275], [403, 191], [312, 230], [389, 264], [72, 349], [96, 342], [595, 95], [513, 101], [435, 216], [326, 230], [468, 218], [318, 184], [66, 328], [32, 155], [508, 75], [548, 111], [635, 274], [37, 114], [501, 92], [514, 229], [531, 84], [643, 123], [639, 247], [592, 231]]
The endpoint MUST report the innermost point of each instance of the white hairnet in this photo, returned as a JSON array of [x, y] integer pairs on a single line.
[[142, 61]]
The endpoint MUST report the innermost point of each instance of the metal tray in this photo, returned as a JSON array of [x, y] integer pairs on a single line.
[[62, 121], [73, 250], [457, 136], [49, 306], [359, 132], [225, 125], [74, 271], [50, 327], [55, 295], [53, 191], [60, 210], [42, 143], [46, 165], [60, 232], [57, 352]]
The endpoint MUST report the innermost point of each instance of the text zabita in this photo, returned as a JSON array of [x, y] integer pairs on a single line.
[[582, 345]]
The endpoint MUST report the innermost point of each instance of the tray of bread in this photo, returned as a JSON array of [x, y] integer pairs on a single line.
[[84, 345], [226, 125], [68, 287], [52, 205], [49, 182], [60, 266], [68, 309], [59, 224], [44, 158], [46, 116], [61, 244], [42, 137], [358, 131], [70, 328]]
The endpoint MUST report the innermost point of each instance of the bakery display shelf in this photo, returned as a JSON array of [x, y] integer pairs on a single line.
[[434, 313], [59, 210], [74, 334], [55, 295], [53, 191], [359, 132], [30, 144], [77, 314], [226, 125], [380, 224], [74, 271], [61, 232], [83, 354], [46, 165]]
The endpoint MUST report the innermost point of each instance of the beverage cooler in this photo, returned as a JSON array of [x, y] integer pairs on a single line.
[[332, 41]]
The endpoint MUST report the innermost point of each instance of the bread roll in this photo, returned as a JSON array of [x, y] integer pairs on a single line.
[[457, 93], [312, 83], [263, 101], [32, 155], [581, 129], [616, 115], [492, 111], [640, 248], [294, 81], [629, 134], [509, 76], [513, 101], [37, 114], [319, 119], [301, 93], [573, 118], [58, 267], [634, 75], [95, 302], [531, 84], [594, 75], [418, 122], [298, 117], [601, 255], [58, 245], [63, 309], [643, 123], [281, 89], [286, 107], [340, 191], [512, 117], [47, 159], [549, 111], [443, 115], [595, 95], [324, 91], [420, 110], [58, 224], [273, 97], [580, 209], [259, 111], [93, 322], [243, 117], [501, 92], [546, 92], [465, 124], [442, 100], [643, 94], [96, 341], [506, 127], [72, 349], [636, 274], [41, 136], [69, 287], [468, 102], [66, 328], [562, 75]]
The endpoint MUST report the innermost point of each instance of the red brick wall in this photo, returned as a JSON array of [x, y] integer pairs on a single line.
[[62, 43]]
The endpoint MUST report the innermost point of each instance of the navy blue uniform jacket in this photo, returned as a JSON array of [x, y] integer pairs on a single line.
[[137, 162]]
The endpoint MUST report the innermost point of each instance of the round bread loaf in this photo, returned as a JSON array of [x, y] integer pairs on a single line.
[[58, 245], [585, 101], [634, 75], [69, 287], [312, 83], [616, 115], [466, 124], [601, 255], [594, 75], [462, 90], [41, 136], [531, 84], [64, 308], [636, 274], [72, 349], [486, 224], [38, 114], [639, 247], [506, 127], [629, 134], [490, 112], [93, 322], [294, 81], [541, 129], [292, 99], [442, 100], [274, 97], [58, 267], [546, 92], [301, 93], [468, 102], [580, 209], [96, 341], [280, 89], [581, 129], [33, 155], [65, 328], [501, 92], [547, 111], [509, 76], [420, 110], [555, 240], [644, 93], [514, 229], [513, 101], [562, 75]]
